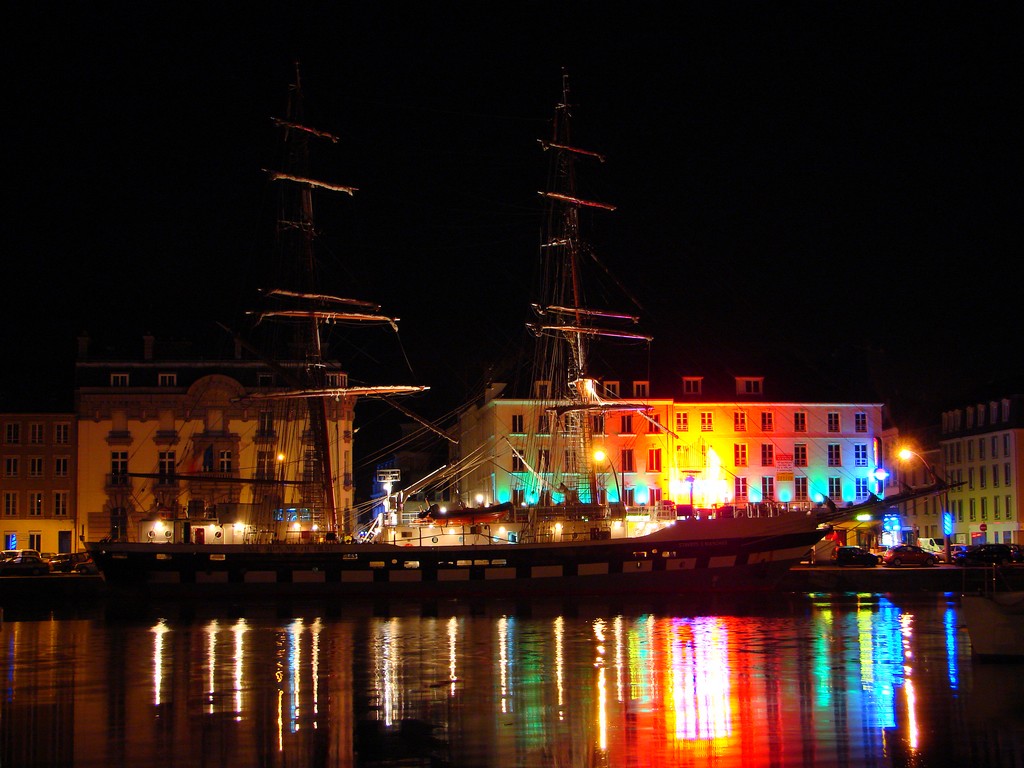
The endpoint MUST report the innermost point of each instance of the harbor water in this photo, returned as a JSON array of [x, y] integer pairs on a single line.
[[788, 680]]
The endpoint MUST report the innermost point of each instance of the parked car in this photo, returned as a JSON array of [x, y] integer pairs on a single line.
[[31, 565], [73, 562], [985, 554], [853, 556], [1018, 552], [10, 554], [908, 554]]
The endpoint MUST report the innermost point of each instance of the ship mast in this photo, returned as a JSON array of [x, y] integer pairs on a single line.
[[565, 318]]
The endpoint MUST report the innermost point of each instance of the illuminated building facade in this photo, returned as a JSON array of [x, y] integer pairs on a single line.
[[38, 507], [695, 452], [177, 438], [981, 448]]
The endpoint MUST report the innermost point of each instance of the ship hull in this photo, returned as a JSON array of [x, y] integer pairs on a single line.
[[701, 557]]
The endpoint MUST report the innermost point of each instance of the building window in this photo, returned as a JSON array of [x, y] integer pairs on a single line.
[[1006, 474], [860, 422], [265, 423], [995, 475], [60, 466], [739, 455], [119, 467], [983, 477], [835, 455], [611, 388], [860, 455], [517, 462], [799, 421], [167, 379], [767, 421], [835, 488], [35, 503], [682, 421], [739, 421], [1009, 509], [626, 427], [970, 478], [11, 466], [166, 464], [740, 488], [10, 503], [119, 379], [800, 488], [61, 434], [707, 421], [544, 460], [995, 507], [35, 434], [60, 503], [860, 486], [747, 386], [518, 424], [12, 433], [571, 465], [224, 461], [984, 507], [264, 379], [597, 424], [800, 455], [972, 514], [626, 461], [35, 466], [767, 455], [981, 448], [518, 497], [767, 488], [264, 465], [640, 389], [654, 460], [692, 385], [543, 424], [336, 380], [629, 496], [542, 389], [833, 421], [654, 425]]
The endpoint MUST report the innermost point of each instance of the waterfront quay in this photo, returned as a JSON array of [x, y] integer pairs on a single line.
[[942, 579]]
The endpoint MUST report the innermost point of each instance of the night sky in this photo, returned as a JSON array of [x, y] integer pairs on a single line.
[[829, 184]]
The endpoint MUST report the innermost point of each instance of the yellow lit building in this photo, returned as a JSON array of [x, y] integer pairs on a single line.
[[37, 481], [178, 447]]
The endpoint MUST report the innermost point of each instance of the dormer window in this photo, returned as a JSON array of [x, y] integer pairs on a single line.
[[119, 379], [641, 389], [749, 385], [692, 385], [167, 379], [542, 390], [612, 388]]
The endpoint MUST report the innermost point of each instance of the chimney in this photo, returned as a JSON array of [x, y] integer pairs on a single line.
[[147, 346], [83, 345]]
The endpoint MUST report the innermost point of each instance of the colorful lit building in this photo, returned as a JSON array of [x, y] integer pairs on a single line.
[[693, 452]]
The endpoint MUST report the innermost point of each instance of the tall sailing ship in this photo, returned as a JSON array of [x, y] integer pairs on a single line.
[[572, 538]]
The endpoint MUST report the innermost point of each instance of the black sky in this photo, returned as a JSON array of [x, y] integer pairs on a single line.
[[834, 183]]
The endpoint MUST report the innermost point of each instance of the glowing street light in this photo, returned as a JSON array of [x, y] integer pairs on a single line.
[[905, 454]]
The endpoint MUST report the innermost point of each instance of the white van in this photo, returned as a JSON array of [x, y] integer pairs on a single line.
[[933, 545]]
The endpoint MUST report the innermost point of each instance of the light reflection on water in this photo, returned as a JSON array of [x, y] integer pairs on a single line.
[[849, 680]]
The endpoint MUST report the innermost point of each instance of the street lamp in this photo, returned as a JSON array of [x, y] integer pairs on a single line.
[[600, 456], [947, 516]]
